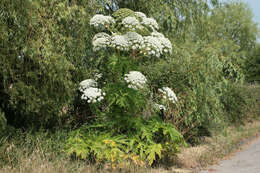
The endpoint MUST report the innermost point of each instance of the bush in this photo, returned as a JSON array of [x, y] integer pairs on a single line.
[[235, 103], [48, 47], [42, 45], [196, 72], [2, 122]]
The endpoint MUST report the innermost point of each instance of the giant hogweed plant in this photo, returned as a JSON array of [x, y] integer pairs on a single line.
[[119, 95]]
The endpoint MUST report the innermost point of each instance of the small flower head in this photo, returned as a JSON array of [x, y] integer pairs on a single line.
[[168, 94], [100, 21], [150, 22], [130, 22], [134, 39], [87, 84], [135, 80], [165, 42], [153, 46], [101, 41], [119, 42], [167, 45], [102, 35], [93, 95]]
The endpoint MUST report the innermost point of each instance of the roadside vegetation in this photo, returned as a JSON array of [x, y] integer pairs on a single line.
[[88, 86]]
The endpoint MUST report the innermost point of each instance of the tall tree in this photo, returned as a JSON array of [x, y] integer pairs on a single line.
[[234, 21]]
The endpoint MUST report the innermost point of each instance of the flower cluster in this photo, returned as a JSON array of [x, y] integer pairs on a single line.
[[93, 95], [135, 40], [135, 80], [90, 92], [131, 40], [150, 22], [120, 42], [102, 35], [87, 84], [100, 21], [157, 44], [168, 94], [167, 45], [165, 42], [100, 41], [154, 44], [130, 22]]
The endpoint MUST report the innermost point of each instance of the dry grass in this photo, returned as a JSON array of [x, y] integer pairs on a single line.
[[219, 146]]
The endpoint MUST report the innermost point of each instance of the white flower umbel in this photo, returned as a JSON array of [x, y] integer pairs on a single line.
[[100, 41], [168, 94], [167, 45], [165, 42], [102, 35], [119, 42], [87, 84], [150, 22], [93, 95], [153, 46], [135, 80], [100, 21], [140, 15], [130, 22], [134, 39], [159, 107]]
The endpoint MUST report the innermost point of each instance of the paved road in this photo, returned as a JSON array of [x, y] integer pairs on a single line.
[[245, 161]]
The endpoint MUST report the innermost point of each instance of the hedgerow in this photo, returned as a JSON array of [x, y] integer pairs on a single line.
[[131, 86]]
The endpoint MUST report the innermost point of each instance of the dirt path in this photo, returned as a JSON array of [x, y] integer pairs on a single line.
[[245, 161]]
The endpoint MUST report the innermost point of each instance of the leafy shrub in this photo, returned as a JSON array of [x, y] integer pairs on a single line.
[[2, 122], [43, 43], [240, 102], [235, 103], [253, 96], [196, 73]]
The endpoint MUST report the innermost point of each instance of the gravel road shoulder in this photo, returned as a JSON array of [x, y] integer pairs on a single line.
[[244, 161]]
